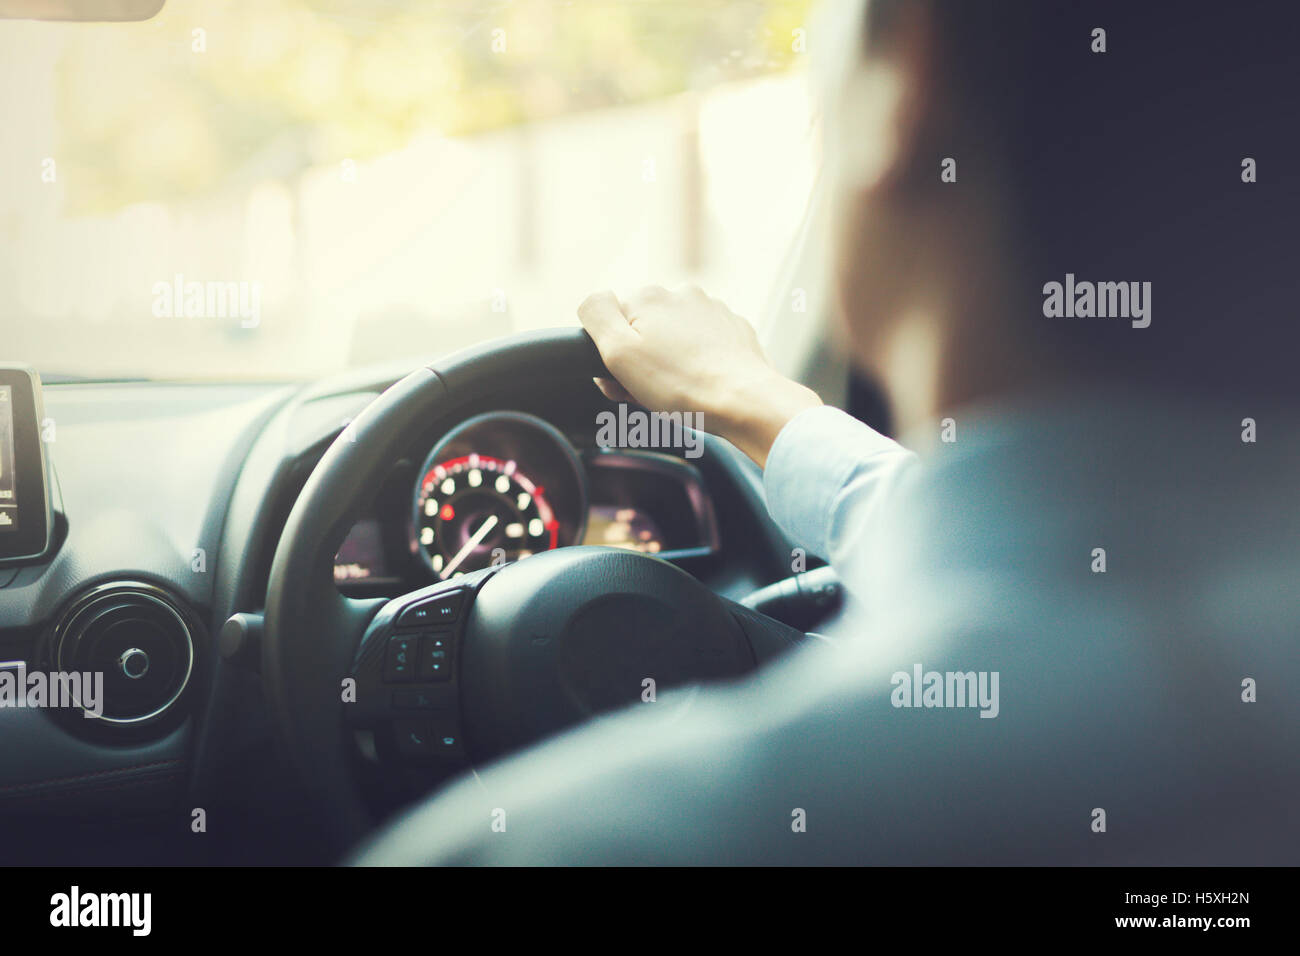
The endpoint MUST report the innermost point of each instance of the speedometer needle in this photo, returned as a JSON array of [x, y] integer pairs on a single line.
[[470, 545]]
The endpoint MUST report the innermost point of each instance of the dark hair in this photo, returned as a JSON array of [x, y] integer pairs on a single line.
[[1127, 165]]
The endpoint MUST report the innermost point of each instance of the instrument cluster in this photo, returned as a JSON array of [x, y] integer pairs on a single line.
[[505, 485]]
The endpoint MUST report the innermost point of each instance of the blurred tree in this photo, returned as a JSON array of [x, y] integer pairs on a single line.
[[215, 93]]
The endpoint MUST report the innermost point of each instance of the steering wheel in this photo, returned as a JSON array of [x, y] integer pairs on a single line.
[[470, 668]]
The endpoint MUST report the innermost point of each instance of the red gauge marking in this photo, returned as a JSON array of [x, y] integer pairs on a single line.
[[447, 513]]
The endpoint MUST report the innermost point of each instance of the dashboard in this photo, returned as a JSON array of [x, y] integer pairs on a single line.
[[504, 485], [183, 537]]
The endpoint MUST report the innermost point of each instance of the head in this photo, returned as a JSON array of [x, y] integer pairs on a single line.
[[980, 151]]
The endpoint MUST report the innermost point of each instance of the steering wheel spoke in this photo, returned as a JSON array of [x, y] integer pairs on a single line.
[[406, 673]]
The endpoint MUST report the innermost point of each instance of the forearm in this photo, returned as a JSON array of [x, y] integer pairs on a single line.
[[829, 479]]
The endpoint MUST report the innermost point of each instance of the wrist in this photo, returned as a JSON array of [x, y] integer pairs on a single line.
[[756, 412]]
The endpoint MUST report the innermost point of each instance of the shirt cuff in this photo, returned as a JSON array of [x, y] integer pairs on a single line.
[[813, 459]]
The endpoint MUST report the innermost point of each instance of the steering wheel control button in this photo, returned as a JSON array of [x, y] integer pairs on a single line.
[[399, 662], [435, 657], [427, 738], [443, 609], [413, 700]]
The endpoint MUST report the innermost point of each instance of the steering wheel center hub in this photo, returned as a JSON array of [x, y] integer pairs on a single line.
[[567, 634]]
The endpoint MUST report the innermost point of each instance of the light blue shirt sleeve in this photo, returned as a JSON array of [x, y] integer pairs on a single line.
[[829, 479]]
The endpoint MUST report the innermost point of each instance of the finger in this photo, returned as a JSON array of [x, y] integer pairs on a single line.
[[612, 390], [603, 318]]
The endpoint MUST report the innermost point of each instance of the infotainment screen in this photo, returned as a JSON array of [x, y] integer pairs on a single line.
[[8, 489], [26, 519]]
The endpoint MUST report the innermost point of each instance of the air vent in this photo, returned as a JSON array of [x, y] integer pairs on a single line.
[[137, 636]]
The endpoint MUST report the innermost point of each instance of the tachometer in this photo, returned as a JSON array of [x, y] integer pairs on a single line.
[[497, 488], [475, 509]]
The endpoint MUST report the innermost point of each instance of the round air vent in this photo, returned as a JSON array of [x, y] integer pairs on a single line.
[[134, 634]]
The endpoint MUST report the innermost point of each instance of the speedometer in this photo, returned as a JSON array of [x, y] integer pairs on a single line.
[[475, 510], [496, 489]]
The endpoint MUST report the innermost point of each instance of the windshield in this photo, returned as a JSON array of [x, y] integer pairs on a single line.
[[274, 189]]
